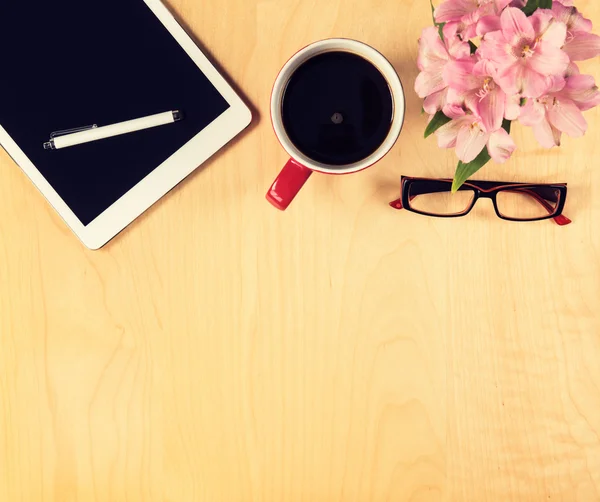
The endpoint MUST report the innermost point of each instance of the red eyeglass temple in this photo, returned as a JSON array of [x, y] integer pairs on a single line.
[[397, 204], [560, 220]]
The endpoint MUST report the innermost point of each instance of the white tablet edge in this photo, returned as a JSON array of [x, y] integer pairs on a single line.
[[166, 176]]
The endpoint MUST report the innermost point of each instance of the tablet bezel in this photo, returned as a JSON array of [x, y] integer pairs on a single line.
[[168, 174]]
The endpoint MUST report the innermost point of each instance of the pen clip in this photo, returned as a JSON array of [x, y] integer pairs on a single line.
[[56, 134]]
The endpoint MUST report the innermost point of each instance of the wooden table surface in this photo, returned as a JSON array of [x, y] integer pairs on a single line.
[[220, 350]]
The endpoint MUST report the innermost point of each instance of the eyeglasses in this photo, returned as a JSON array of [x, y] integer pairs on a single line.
[[512, 201]]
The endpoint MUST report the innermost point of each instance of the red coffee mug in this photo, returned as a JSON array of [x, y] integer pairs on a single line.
[[300, 166]]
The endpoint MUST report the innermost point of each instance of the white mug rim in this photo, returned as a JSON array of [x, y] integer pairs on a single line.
[[371, 55]]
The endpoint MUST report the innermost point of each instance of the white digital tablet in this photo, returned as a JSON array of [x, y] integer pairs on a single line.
[[69, 64]]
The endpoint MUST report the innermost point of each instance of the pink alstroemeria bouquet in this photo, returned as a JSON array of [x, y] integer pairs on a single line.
[[487, 63]]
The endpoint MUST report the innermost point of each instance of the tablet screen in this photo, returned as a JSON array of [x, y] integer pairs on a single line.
[[68, 64]]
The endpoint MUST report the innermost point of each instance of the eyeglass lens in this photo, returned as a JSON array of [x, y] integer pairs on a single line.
[[436, 198], [527, 203]]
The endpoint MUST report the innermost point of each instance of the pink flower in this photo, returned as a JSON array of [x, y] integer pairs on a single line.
[[581, 44], [583, 91], [434, 55], [466, 14], [468, 11], [529, 61], [463, 30], [491, 21], [560, 111], [467, 133], [488, 24], [526, 51], [473, 84]]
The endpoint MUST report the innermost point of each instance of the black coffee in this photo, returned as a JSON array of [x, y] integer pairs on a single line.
[[337, 108]]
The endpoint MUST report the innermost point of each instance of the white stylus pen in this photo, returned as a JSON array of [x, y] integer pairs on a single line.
[[72, 137]]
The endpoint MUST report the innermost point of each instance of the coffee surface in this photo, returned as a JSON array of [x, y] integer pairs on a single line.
[[337, 108]]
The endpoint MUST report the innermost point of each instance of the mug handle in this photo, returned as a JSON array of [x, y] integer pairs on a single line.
[[290, 181]]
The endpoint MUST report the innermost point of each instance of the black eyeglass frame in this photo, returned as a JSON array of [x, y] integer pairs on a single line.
[[489, 190]]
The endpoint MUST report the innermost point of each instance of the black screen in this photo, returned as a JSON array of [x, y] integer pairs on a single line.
[[72, 63]]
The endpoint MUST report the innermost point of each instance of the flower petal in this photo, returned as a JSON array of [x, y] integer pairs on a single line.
[[560, 12], [431, 49], [556, 34], [454, 111], [516, 26], [548, 60], [546, 135], [520, 79], [501, 4], [429, 82], [578, 23], [470, 142], [548, 29], [459, 75], [557, 84], [455, 45], [488, 24], [456, 98], [501, 146], [566, 117], [435, 102], [573, 69], [448, 133], [532, 113], [582, 46], [453, 10], [495, 48], [512, 107], [582, 90], [491, 109], [571, 17], [485, 69], [468, 32]]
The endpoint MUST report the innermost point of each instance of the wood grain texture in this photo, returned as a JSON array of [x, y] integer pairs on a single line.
[[219, 350]]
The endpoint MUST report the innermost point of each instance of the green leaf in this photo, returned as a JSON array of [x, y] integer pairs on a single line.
[[438, 120], [465, 171], [439, 26], [473, 47], [533, 5]]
